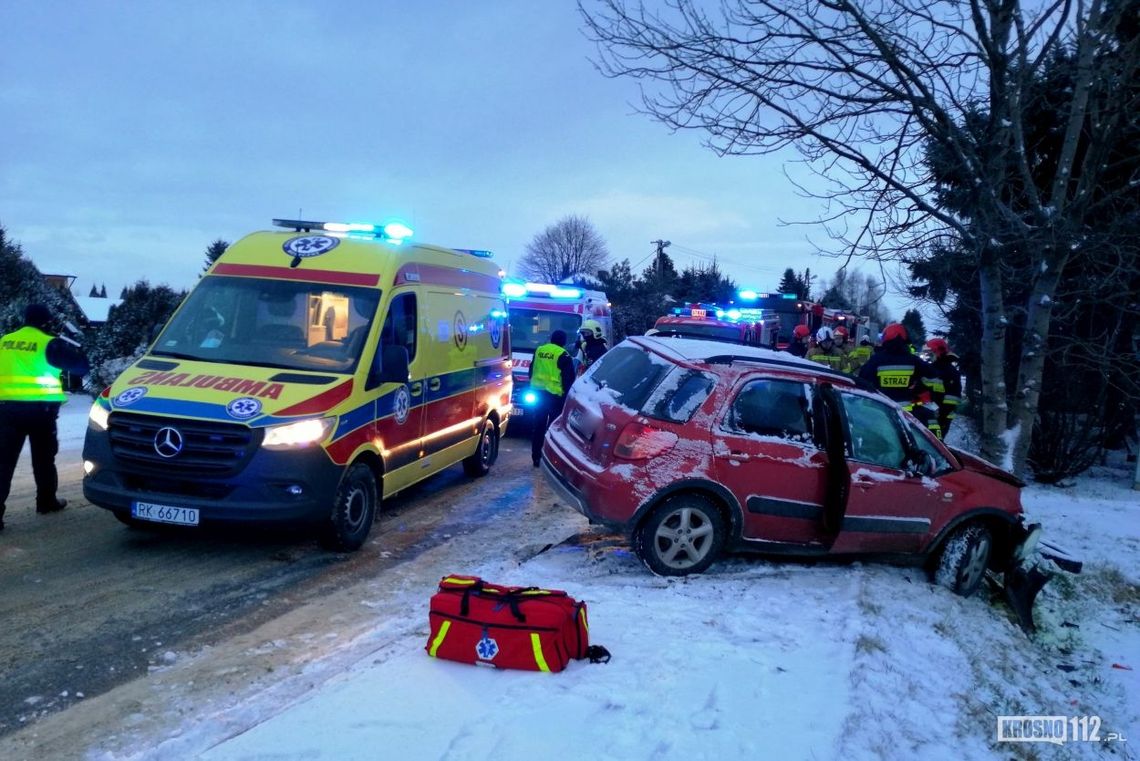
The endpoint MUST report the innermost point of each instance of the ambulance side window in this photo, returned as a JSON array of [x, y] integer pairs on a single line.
[[400, 326]]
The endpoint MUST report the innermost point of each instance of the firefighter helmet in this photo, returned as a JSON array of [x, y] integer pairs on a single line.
[[893, 331], [938, 347], [801, 331], [824, 334], [592, 327], [841, 332]]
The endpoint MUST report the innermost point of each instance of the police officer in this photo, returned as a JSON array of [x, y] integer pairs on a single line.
[[801, 335], [551, 375], [902, 376], [30, 396], [826, 352], [949, 390], [592, 344]]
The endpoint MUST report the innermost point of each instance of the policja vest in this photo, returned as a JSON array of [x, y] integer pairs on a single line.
[[544, 372], [25, 375]]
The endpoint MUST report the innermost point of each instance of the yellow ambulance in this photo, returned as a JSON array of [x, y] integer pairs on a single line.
[[309, 374]]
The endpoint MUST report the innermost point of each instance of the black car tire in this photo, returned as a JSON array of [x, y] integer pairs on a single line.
[[965, 556], [681, 536], [353, 510], [479, 464]]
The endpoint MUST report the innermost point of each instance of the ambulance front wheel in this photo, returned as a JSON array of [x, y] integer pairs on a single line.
[[353, 511], [479, 464]]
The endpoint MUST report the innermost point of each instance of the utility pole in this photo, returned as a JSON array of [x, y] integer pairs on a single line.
[[659, 262]]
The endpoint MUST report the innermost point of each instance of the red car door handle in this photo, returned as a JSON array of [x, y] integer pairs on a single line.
[[742, 456]]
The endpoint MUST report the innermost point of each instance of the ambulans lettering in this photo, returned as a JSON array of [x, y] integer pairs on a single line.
[[245, 386]]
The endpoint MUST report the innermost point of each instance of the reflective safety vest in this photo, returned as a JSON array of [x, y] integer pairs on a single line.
[[858, 357], [25, 375], [836, 358], [544, 372]]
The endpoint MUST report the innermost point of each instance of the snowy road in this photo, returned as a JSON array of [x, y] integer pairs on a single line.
[[290, 654]]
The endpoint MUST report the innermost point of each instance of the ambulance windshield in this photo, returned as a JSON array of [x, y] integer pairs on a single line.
[[531, 328], [271, 323]]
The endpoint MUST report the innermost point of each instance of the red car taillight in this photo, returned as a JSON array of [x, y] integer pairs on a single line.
[[638, 442]]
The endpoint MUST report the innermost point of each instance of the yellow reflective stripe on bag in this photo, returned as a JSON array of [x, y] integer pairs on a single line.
[[454, 580], [536, 645], [435, 643], [582, 615]]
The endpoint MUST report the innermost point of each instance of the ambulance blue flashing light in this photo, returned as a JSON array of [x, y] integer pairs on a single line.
[[529, 398], [517, 289], [788, 296], [395, 232], [748, 295]]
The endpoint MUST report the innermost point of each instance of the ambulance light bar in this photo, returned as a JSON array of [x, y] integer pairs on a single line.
[[481, 253], [516, 289], [393, 231]]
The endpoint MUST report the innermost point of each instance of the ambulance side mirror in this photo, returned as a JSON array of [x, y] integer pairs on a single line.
[[392, 366]]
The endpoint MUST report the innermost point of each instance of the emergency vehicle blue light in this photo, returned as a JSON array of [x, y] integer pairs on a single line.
[[748, 295], [566, 293], [397, 231], [349, 227], [499, 313], [515, 290], [482, 253], [530, 397], [734, 314], [788, 296]]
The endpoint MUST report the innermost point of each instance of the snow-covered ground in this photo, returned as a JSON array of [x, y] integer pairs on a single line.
[[753, 659]]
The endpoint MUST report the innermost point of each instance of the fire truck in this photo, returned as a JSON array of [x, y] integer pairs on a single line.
[[534, 311], [712, 322], [780, 313]]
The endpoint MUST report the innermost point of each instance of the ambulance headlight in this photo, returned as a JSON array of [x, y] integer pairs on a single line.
[[299, 434], [98, 416]]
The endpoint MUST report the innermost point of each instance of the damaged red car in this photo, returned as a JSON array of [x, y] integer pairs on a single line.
[[694, 448]]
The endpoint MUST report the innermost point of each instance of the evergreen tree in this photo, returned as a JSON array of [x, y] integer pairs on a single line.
[[103, 291], [915, 328], [94, 292], [22, 284], [128, 330], [213, 251]]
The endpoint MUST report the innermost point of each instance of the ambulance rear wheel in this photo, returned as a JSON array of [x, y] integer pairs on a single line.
[[352, 512], [479, 464]]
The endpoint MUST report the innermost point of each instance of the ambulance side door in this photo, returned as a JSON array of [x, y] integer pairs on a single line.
[[449, 378], [400, 406]]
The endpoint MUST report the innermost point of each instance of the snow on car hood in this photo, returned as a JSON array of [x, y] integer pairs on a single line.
[[978, 465]]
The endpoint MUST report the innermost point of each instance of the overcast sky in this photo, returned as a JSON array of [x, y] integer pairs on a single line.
[[134, 134]]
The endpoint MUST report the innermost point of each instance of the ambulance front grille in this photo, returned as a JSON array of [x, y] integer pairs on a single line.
[[208, 448]]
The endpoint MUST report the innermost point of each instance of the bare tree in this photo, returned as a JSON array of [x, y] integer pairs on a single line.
[[569, 248], [864, 90]]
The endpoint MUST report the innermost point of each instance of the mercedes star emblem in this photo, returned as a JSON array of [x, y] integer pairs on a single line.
[[168, 442]]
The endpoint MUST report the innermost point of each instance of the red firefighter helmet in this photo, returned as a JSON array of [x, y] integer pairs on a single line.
[[893, 331], [938, 347], [841, 332], [801, 331]]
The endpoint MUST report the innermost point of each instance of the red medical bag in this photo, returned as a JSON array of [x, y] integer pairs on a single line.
[[474, 621]]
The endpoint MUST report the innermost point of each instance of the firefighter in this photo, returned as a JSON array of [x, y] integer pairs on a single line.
[[592, 344], [826, 352], [903, 376], [800, 337], [950, 377], [858, 356], [843, 344], [551, 375], [30, 396]]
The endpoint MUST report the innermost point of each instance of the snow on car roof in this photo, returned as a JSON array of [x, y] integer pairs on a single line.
[[695, 350]]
